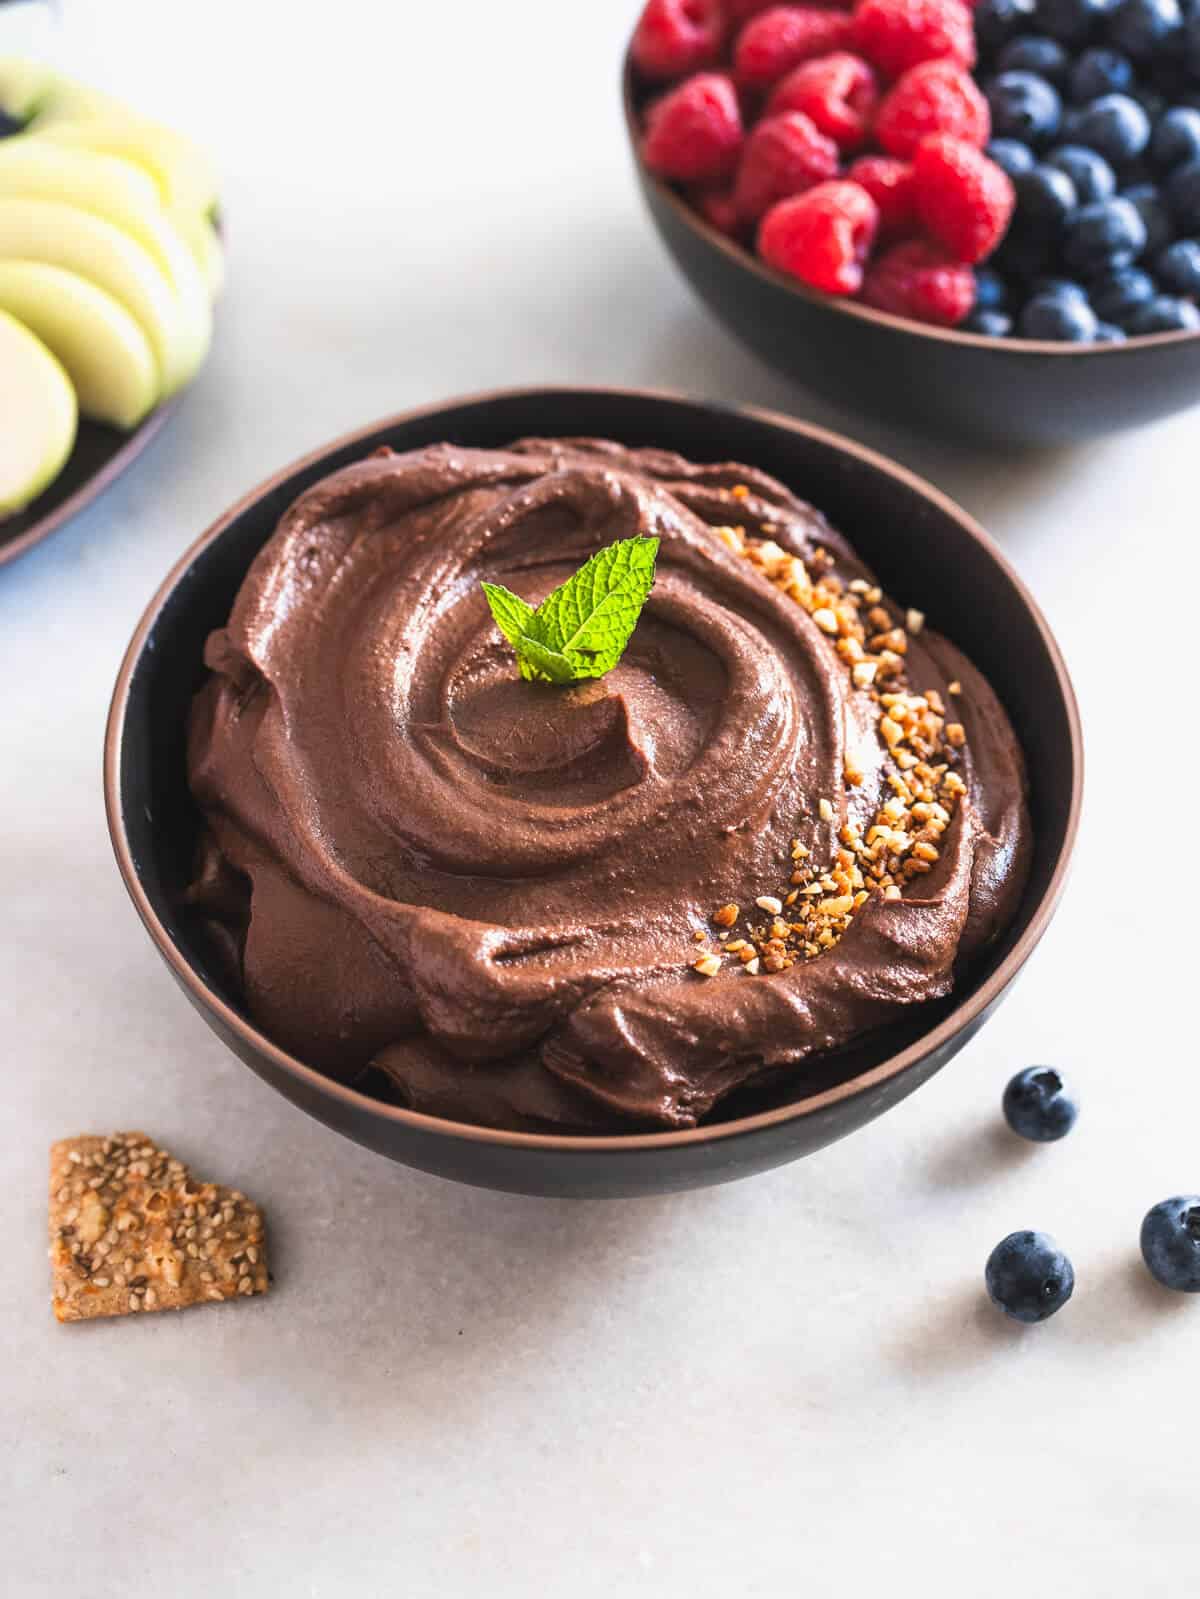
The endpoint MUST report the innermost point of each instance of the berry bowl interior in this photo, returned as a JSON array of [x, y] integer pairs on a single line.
[[921, 545], [1010, 391]]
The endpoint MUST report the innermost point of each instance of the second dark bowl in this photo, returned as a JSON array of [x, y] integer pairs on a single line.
[[925, 550], [996, 391]]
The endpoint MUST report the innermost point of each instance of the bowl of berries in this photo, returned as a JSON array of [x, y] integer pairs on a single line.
[[984, 221]]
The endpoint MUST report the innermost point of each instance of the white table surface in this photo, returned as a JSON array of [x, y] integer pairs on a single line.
[[788, 1385]]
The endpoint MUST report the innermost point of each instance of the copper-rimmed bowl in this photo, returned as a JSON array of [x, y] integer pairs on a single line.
[[924, 548], [998, 391]]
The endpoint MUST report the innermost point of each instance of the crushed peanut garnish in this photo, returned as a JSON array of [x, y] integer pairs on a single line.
[[902, 841]]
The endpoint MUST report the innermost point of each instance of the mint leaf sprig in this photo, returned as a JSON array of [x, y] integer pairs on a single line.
[[581, 629]]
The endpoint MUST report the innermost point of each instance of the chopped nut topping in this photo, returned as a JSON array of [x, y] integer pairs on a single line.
[[920, 752], [707, 965]]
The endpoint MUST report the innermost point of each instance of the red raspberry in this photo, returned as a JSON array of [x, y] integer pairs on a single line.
[[783, 156], [838, 92], [919, 280], [694, 133], [936, 97], [821, 237], [718, 208], [743, 10], [898, 34], [890, 184], [674, 37], [964, 199], [780, 39]]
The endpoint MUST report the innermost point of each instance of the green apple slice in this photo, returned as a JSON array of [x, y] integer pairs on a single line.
[[124, 195], [184, 175], [101, 348], [64, 236], [78, 115], [203, 241], [37, 403]]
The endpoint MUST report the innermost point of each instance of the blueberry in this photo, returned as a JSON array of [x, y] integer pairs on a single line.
[[1171, 1243], [1039, 1105], [1149, 204], [1029, 1277], [1176, 139], [9, 125], [1065, 318], [1033, 53], [1178, 268], [1116, 296], [1109, 333], [1165, 314], [1191, 44], [1099, 72], [991, 292], [1065, 288], [1025, 253], [999, 20], [1046, 197], [993, 324], [1091, 175], [1010, 156], [1183, 196], [1107, 233], [1024, 107], [1143, 28], [1152, 103], [1070, 21], [1115, 126]]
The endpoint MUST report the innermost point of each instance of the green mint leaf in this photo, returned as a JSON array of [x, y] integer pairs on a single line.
[[591, 617], [581, 629], [540, 664], [510, 612]]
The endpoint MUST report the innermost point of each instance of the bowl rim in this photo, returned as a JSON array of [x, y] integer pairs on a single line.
[[970, 1009], [838, 306]]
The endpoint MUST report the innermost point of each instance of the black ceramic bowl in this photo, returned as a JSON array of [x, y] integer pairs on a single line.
[[924, 548], [999, 391]]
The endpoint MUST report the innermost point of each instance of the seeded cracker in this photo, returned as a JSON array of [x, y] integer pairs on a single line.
[[131, 1229]]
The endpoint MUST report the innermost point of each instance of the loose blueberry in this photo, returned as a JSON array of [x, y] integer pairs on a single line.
[[999, 20], [9, 125], [1115, 126], [1178, 268], [1070, 21], [1024, 107], [1010, 156], [1143, 28], [1116, 296], [1171, 1243], [1109, 333], [1176, 138], [1165, 314], [1064, 318], [1039, 1105], [1183, 196], [1091, 175], [1046, 197], [991, 293], [1160, 230], [1103, 235], [1099, 72], [1034, 53], [1029, 1277], [993, 324]]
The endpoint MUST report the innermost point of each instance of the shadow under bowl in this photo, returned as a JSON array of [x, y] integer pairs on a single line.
[[926, 551], [994, 391]]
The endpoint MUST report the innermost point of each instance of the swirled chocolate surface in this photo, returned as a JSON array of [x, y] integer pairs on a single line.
[[482, 893]]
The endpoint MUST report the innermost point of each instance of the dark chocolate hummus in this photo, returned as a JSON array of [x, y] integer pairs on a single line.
[[497, 900]]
